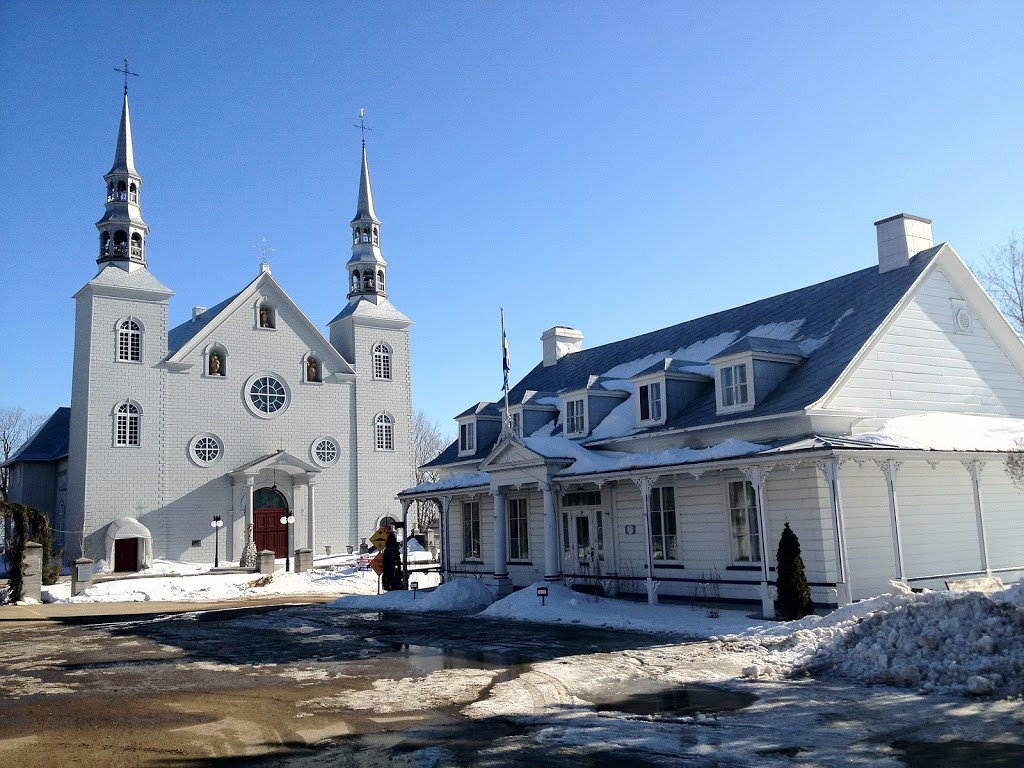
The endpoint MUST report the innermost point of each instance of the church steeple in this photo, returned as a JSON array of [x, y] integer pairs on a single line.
[[122, 230], [367, 269]]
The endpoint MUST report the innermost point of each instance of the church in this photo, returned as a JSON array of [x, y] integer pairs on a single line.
[[246, 412]]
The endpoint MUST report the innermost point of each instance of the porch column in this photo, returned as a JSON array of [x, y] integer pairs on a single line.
[[611, 547], [552, 570], [310, 513], [446, 505], [405, 542], [974, 469], [501, 545], [830, 469], [757, 475], [644, 484], [250, 487], [889, 468]]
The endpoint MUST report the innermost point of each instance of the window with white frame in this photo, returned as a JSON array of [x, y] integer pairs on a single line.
[[735, 390], [266, 395], [518, 530], [575, 422], [664, 544], [746, 539], [650, 401], [127, 418], [381, 361], [129, 341], [384, 427], [325, 451], [467, 437], [471, 530], [517, 424], [205, 449]]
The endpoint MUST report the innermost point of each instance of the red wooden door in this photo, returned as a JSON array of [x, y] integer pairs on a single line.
[[126, 555], [269, 532]]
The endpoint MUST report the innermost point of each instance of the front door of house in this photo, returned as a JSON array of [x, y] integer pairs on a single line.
[[582, 542], [269, 506]]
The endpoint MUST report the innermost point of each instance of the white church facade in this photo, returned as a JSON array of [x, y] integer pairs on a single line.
[[874, 413], [246, 411]]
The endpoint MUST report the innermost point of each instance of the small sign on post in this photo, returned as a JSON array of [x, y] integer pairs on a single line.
[[542, 593]]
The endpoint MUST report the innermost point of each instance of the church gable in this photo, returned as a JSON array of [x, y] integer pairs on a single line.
[[946, 349]]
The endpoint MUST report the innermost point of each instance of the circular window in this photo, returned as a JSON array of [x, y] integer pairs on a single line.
[[266, 395], [325, 451], [205, 449]]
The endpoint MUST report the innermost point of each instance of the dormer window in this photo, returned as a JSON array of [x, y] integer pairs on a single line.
[[650, 401], [467, 437], [517, 423], [733, 386], [575, 417]]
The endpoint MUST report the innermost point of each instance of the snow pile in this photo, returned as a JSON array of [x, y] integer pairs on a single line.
[[949, 432], [462, 595], [935, 641]]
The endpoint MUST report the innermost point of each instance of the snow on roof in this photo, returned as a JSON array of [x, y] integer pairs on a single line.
[[948, 432], [458, 480]]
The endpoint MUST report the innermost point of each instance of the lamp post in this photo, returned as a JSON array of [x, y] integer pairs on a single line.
[[216, 524], [286, 520]]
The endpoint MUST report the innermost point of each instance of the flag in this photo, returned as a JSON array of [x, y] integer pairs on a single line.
[[505, 366]]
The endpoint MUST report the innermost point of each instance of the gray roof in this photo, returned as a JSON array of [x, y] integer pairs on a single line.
[[137, 279], [761, 344], [833, 321], [50, 443], [366, 306], [182, 334]]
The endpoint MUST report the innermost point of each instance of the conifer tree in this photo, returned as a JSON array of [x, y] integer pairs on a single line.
[[794, 594]]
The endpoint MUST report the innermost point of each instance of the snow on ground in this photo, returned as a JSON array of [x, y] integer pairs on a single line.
[[962, 643]]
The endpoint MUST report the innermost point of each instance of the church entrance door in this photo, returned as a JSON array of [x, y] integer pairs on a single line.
[[268, 530], [126, 555]]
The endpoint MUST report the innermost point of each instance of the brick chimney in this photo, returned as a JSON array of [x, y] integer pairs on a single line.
[[559, 342], [899, 238]]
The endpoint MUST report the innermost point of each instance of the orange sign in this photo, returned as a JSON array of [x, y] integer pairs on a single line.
[[378, 564]]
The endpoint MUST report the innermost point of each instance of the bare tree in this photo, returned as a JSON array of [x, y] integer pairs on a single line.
[[1003, 277], [16, 427], [429, 439]]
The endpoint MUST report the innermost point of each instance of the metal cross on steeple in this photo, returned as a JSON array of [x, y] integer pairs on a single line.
[[126, 72], [362, 124], [264, 250]]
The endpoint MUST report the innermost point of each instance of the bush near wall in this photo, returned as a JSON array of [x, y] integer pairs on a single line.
[[30, 524]]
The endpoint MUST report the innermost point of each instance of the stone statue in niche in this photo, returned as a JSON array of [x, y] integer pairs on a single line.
[[265, 317], [215, 369], [311, 370]]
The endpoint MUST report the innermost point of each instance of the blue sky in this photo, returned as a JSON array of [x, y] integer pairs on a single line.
[[613, 167]]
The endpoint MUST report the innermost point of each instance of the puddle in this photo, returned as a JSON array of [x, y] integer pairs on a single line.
[[650, 698], [952, 754], [428, 658]]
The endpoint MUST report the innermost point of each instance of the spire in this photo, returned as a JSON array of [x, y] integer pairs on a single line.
[[124, 156], [122, 231], [367, 269]]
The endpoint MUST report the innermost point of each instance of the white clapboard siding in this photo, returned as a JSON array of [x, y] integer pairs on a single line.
[[921, 364], [869, 544], [795, 496], [1003, 506]]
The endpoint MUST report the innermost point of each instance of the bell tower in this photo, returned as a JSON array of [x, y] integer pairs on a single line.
[[122, 230], [367, 270]]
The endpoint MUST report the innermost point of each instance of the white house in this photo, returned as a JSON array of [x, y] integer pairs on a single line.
[[872, 412], [243, 411]]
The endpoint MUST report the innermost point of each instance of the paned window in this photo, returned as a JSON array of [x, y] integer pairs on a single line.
[[126, 425], [650, 401], [746, 539], [517, 424], [574, 421], [471, 530], [129, 341], [384, 426], [734, 386], [664, 544], [267, 394], [325, 451], [205, 449], [467, 437], [381, 362], [518, 530]]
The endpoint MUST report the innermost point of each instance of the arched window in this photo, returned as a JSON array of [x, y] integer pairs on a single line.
[[110, 191], [122, 192], [104, 244], [366, 236], [368, 280], [129, 341], [355, 280], [384, 427], [133, 193], [382, 362], [126, 424], [380, 279], [376, 236], [136, 252]]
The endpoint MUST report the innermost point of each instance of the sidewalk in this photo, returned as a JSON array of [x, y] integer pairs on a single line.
[[93, 613]]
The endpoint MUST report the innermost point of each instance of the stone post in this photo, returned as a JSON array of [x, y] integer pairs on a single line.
[[32, 575], [81, 575], [265, 561], [303, 559]]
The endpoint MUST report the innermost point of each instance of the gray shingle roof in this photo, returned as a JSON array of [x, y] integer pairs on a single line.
[[182, 334], [50, 443], [832, 321]]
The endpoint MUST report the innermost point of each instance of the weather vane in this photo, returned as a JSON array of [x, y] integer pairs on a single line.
[[362, 124], [264, 250], [126, 72]]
